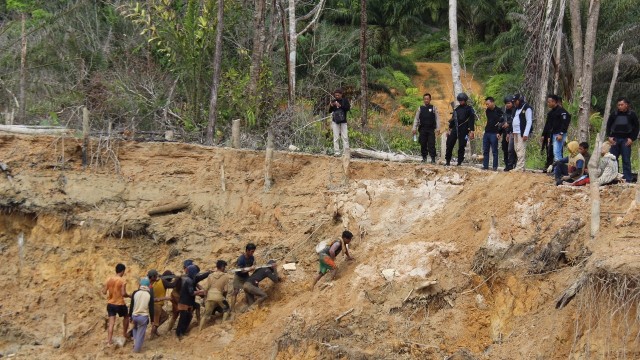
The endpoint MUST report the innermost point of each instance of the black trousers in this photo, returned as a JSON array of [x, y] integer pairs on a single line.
[[183, 322], [549, 150], [427, 144], [505, 150], [462, 144]]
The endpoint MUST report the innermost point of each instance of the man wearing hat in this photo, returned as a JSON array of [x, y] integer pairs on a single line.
[[506, 134], [461, 128], [140, 311]]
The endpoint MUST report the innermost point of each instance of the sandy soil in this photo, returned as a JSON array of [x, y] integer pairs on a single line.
[[497, 281]]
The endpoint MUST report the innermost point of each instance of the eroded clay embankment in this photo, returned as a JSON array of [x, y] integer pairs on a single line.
[[493, 283]]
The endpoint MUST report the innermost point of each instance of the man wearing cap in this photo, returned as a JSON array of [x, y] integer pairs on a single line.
[[216, 289], [116, 288], [506, 130], [252, 291], [140, 311], [522, 124], [187, 300], [461, 128], [245, 261], [159, 287]]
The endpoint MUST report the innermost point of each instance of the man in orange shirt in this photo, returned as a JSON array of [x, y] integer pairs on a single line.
[[116, 288]]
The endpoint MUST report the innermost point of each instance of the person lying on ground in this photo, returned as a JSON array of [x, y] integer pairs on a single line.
[[140, 311], [328, 254], [216, 290], [252, 291], [570, 168], [607, 167], [116, 289]]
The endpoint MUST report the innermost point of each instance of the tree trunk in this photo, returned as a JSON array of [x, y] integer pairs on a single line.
[[612, 86], [363, 62], [258, 48], [268, 162], [293, 40], [558, 55], [576, 37], [22, 111], [595, 189], [539, 104], [587, 71], [217, 59], [455, 54]]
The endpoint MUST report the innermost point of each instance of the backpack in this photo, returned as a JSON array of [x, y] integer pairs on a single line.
[[323, 246]]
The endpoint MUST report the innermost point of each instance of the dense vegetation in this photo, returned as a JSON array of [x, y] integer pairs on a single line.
[[147, 65]]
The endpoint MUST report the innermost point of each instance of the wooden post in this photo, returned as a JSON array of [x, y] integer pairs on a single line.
[[235, 134], [85, 135], [612, 86], [346, 161], [595, 189], [268, 178], [223, 181]]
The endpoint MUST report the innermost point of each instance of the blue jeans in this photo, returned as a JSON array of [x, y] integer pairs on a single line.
[[618, 149], [557, 146], [490, 140]]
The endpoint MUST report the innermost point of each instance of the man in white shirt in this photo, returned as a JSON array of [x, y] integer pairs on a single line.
[[522, 124]]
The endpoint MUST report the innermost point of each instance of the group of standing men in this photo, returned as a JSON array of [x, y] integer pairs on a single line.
[[512, 126], [500, 123]]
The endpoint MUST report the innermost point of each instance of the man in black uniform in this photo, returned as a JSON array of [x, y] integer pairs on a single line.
[[252, 291], [427, 123], [461, 128], [555, 129], [506, 130], [622, 131]]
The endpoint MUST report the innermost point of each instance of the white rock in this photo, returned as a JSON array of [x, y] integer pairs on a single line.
[[389, 274], [293, 148]]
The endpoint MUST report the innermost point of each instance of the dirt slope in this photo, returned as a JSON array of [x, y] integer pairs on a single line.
[[497, 282]]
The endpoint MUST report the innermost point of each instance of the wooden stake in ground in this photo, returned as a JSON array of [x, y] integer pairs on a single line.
[[268, 177], [235, 134], [346, 161], [443, 146], [223, 183], [612, 86], [85, 135], [595, 189]]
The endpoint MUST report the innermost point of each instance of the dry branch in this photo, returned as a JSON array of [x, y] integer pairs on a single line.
[[344, 314]]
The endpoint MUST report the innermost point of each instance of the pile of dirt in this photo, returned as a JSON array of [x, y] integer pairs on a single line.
[[448, 261]]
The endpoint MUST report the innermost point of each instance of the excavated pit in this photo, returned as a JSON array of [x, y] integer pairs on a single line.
[[496, 251]]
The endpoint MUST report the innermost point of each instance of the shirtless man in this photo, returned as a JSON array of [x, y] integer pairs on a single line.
[[116, 289]]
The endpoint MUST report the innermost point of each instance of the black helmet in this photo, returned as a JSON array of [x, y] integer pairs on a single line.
[[508, 99], [518, 97], [462, 97]]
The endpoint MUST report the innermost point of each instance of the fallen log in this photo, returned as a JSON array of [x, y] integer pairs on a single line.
[[35, 130], [177, 206], [381, 155]]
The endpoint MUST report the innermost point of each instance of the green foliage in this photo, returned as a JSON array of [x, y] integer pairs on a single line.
[[406, 117], [502, 84], [402, 79], [434, 47]]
